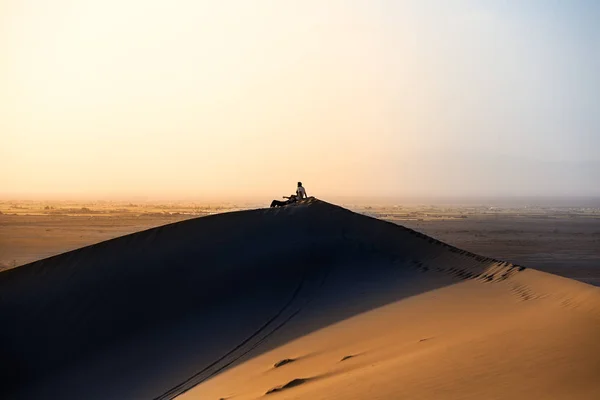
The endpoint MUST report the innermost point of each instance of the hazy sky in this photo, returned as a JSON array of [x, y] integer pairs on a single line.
[[112, 98]]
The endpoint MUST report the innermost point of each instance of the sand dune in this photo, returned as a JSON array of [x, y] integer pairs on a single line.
[[305, 302]]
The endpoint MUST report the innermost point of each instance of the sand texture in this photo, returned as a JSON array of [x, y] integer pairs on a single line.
[[310, 301]]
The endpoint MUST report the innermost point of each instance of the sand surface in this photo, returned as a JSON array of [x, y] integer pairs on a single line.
[[346, 306], [568, 247], [33, 230], [560, 239]]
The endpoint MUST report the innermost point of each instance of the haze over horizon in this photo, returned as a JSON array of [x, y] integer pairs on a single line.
[[376, 98]]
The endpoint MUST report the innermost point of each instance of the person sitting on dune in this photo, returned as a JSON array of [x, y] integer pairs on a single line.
[[301, 192], [290, 199]]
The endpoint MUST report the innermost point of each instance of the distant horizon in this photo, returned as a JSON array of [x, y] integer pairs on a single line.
[[505, 201]]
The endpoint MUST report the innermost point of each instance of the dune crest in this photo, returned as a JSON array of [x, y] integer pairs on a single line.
[[205, 308]]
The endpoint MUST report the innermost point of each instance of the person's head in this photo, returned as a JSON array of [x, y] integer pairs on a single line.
[[299, 184]]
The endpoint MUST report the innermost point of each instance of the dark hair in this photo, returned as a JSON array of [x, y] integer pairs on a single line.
[[299, 183]]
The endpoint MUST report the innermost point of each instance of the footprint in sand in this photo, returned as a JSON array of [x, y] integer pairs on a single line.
[[283, 362], [290, 384]]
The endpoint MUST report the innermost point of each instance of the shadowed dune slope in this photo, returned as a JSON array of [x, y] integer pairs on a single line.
[[156, 313]]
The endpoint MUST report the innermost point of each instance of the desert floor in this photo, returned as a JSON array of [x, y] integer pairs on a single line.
[[560, 240]]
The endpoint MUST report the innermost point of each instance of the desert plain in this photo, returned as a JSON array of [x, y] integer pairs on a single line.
[[560, 239]]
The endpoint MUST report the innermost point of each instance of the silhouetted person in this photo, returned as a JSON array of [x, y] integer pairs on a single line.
[[290, 199], [301, 192]]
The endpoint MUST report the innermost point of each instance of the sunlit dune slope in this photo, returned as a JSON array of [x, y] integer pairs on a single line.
[[347, 307]]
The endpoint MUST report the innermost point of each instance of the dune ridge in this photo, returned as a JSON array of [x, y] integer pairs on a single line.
[[171, 310]]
